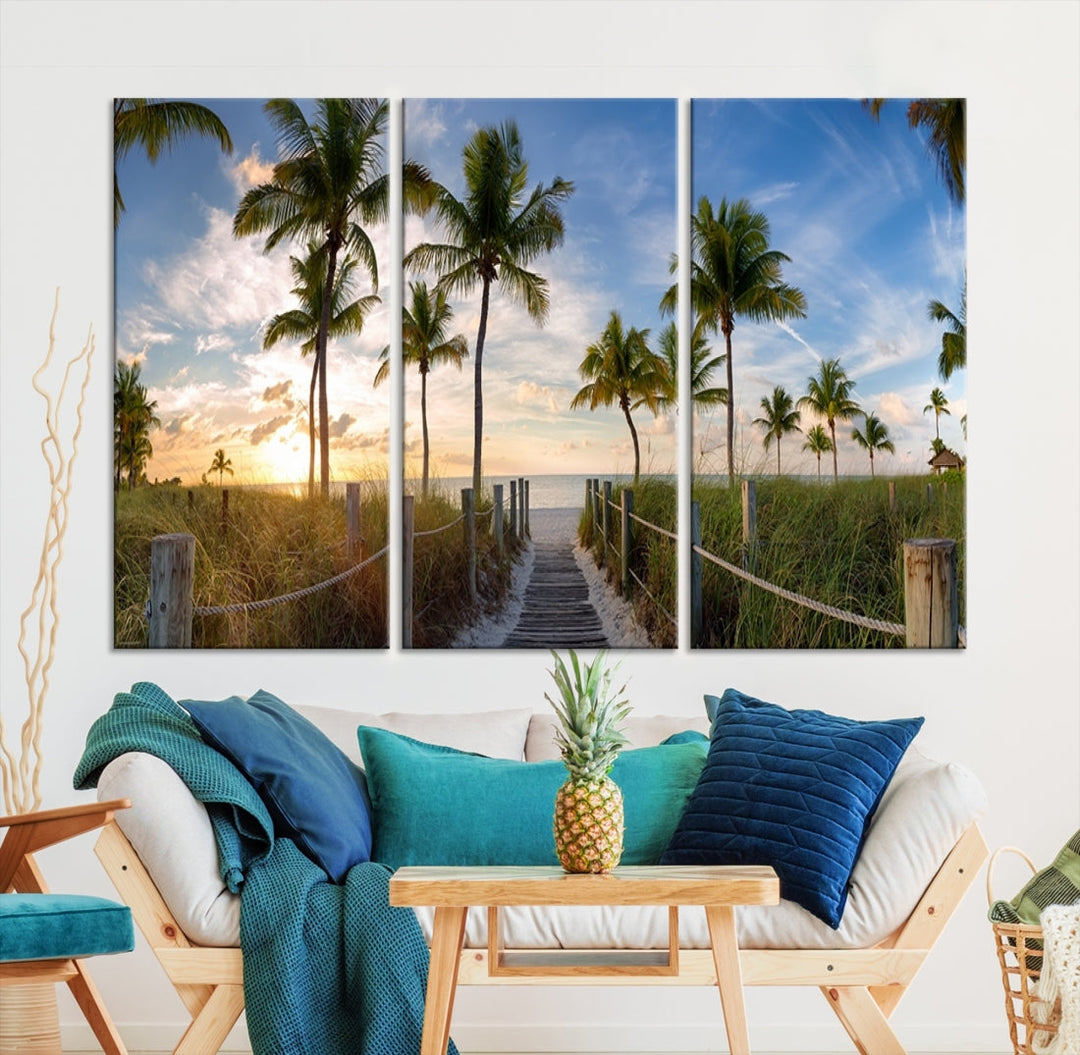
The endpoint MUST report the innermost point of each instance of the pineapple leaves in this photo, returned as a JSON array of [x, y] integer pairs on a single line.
[[590, 715]]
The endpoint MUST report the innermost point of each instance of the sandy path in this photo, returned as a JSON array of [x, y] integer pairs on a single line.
[[616, 616]]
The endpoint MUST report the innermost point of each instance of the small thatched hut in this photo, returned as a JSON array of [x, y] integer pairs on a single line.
[[945, 460]]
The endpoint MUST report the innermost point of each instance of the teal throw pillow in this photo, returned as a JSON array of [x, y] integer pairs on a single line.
[[315, 795], [434, 805]]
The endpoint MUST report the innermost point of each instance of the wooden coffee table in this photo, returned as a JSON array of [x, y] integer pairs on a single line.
[[452, 891]]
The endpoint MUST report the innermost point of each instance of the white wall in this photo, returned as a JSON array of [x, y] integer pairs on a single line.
[[1007, 707]]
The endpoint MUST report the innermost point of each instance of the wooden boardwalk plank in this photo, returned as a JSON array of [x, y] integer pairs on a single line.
[[557, 612]]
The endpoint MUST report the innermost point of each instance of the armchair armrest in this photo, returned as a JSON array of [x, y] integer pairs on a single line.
[[30, 832]]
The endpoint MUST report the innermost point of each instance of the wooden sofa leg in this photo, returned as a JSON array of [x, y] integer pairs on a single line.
[[211, 1025], [93, 1008], [860, 1015]]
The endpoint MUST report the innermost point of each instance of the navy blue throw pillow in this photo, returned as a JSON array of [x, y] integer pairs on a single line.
[[315, 795], [791, 789]]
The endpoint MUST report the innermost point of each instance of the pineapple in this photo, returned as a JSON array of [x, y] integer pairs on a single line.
[[589, 806]]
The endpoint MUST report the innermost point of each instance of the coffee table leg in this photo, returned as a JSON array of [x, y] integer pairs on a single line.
[[725, 950], [446, 942]]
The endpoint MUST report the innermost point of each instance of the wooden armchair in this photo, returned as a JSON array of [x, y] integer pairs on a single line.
[[45, 937]]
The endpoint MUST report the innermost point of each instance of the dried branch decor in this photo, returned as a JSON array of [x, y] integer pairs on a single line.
[[39, 622]]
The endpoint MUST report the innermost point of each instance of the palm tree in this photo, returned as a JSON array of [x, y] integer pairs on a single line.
[[953, 355], [220, 465], [937, 445], [733, 274], [424, 341], [939, 405], [157, 125], [493, 234], [134, 415], [778, 418], [829, 396], [817, 442], [328, 183], [302, 324], [944, 121], [621, 368], [874, 437], [702, 365]]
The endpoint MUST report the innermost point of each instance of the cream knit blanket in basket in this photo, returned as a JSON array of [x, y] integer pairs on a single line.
[[1060, 978]]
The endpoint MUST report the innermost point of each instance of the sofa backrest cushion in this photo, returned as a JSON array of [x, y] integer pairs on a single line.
[[316, 796], [640, 731], [498, 734], [791, 789], [433, 805]]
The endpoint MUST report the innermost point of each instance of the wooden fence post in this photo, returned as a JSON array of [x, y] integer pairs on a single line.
[[224, 510], [892, 496], [191, 499], [513, 508], [749, 526], [406, 570], [596, 500], [931, 611], [696, 574], [588, 511], [497, 520], [172, 578], [468, 507], [353, 542], [605, 519], [929, 494], [527, 533], [521, 507], [626, 537]]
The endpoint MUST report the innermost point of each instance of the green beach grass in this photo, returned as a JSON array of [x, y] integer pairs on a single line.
[[838, 544]]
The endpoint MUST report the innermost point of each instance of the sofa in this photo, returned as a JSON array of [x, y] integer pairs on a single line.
[[920, 853]]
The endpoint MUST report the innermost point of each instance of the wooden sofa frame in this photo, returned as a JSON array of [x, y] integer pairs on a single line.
[[862, 986]]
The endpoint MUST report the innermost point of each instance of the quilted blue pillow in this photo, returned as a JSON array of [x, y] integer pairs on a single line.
[[315, 795], [791, 789]]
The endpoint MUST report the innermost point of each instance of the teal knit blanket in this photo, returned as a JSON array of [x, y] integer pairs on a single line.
[[329, 969]]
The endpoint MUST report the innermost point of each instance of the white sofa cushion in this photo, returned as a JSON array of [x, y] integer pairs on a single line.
[[924, 811], [640, 731], [497, 734]]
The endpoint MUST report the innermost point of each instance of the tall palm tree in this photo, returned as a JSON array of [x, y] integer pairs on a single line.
[[134, 415], [493, 234], [156, 125], [328, 183], [302, 323], [778, 417], [944, 121], [424, 341], [953, 355], [734, 274], [620, 368], [939, 405], [817, 442], [702, 365], [829, 396], [220, 465], [873, 437]]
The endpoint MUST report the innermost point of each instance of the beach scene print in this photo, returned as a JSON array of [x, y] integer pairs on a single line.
[[539, 366], [250, 442], [829, 275]]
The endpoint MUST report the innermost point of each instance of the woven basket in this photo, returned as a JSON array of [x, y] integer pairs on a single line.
[[1020, 955]]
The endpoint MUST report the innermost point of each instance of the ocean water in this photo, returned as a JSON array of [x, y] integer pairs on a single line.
[[551, 491]]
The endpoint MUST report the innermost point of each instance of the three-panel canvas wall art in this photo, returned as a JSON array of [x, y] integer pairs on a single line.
[[511, 330]]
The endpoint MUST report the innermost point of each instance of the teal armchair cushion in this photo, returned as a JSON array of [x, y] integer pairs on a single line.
[[62, 926]]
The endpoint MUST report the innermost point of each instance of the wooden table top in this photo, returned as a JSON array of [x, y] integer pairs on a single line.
[[631, 885]]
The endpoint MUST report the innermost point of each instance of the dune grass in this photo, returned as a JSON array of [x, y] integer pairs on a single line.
[[270, 544], [838, 544]]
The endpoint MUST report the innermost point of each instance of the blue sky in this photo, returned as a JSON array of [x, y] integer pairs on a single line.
[[872, 237], [857, 205], [620, 231], [191, 305]]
